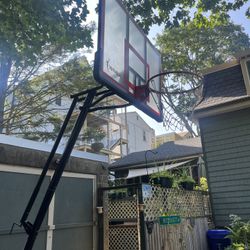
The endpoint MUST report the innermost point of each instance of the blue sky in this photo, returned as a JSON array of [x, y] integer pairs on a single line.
[[237, 17]]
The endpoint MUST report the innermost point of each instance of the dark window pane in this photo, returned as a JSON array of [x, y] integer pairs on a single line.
[[248, 67]]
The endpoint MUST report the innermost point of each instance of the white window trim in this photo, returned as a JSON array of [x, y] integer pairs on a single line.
[[245, 73]]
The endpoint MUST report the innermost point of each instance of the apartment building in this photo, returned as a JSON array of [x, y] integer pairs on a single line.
[[160, 139], [140, 135]]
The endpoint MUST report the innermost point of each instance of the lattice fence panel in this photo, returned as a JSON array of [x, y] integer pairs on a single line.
[[160, 201], [123, 209], [123, 238]]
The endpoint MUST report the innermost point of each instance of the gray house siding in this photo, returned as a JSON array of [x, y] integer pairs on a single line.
[[226, 145]]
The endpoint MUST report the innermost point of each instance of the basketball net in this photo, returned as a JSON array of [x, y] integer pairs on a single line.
[[180, 92]]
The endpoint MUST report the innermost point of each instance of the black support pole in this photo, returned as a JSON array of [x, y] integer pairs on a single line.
[[33, 229], [46, 166], [142, 219]]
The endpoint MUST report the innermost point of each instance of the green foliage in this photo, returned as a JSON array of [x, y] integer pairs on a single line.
[[96, 134], [168, 213], [204, 13], [240, 233], [203, 185], [188, 179], [34, 33], [27, 28], [32, 113], [185, 177], [164, 173], [193, 49]]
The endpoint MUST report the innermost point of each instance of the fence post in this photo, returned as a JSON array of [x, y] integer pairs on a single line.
[[142, 219]]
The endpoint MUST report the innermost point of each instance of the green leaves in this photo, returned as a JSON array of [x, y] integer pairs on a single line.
[[191, 48], [32, 111], [204, 13], [26, 27], [194, 49], [239, 232], [33, 33]]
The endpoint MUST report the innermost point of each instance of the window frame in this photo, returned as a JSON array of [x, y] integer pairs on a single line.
[[246, 73]]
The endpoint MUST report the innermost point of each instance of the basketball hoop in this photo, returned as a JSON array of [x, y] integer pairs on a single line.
[[165, 90]]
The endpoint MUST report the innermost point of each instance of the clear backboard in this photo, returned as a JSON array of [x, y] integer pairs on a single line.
[[126, 59]]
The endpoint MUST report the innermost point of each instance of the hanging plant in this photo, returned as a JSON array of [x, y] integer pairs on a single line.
[[163, 178]]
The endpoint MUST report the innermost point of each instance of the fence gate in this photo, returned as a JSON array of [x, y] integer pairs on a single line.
[[122, 218]]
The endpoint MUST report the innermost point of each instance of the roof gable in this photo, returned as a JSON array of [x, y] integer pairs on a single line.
[[222, 87], [175, 150]]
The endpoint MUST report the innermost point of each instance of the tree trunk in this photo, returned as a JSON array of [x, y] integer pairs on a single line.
[[5, 67]]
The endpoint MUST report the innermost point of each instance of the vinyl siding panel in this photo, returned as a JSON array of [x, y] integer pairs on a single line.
[[226, 146]]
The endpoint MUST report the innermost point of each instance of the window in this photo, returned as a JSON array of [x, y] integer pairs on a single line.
[[248, 67], [144, 136]]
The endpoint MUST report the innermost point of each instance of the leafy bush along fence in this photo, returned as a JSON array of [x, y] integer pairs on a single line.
[[160, 201]]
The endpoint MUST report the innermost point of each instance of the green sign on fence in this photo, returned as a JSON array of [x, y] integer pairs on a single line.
[[169, 220]]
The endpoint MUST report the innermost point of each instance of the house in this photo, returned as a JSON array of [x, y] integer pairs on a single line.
[[140, 135], [168, 156], [224, 118], [115, 139], [49, 100], [119, 134], [71, 220], [174, 136]]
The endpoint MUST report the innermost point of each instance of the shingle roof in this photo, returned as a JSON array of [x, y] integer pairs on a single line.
[[168, 151], [223, 87]]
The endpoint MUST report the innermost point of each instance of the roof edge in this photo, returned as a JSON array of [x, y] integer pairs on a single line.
[[142, 165], [243, 54], [220, 67], [235, 105], [40, 146]]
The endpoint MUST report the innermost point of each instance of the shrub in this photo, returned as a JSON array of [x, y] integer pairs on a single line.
[[203, 185], [240, 233]]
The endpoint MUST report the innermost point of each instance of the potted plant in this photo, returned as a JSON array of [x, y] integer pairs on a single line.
[[163, 178], [186, 182], [203, 185], [166, 179], [155, 178], [97, 146]]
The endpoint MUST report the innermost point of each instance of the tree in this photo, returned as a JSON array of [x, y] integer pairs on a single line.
[[32, 33], [34, 109], [173, 13], [194, 49]]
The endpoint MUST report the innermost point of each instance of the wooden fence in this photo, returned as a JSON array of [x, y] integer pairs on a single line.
[[189, 235], [192, 206], [123, 225]]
